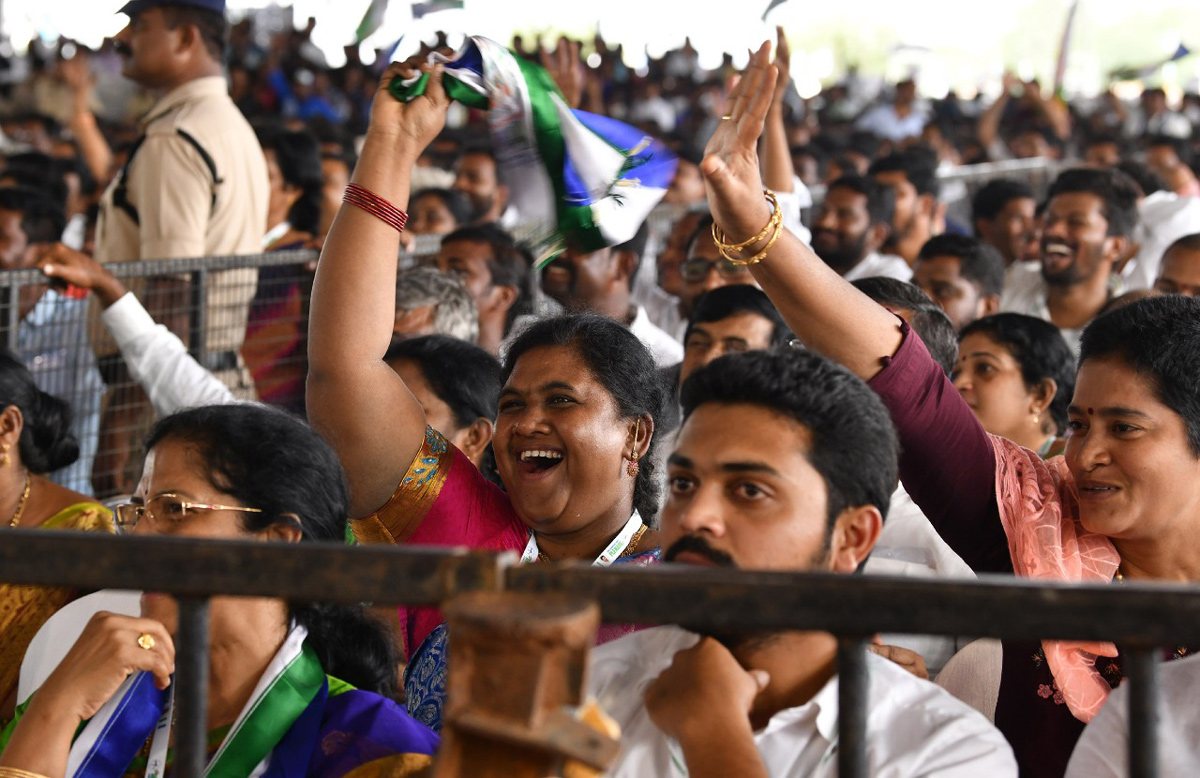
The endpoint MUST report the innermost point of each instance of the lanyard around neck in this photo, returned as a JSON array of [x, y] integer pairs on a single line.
[[611, 552]]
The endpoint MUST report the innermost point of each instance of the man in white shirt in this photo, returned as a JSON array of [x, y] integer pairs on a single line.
[[602, 282], [897, 120], [785, 462], [1090, 216], [852, 223]]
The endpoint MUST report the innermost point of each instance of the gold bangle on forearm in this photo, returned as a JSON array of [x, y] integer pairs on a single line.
[[16, 772], [721, 244], [774, 223]]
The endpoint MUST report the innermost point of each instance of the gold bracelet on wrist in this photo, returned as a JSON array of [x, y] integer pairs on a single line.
[[16, 772], [775, 223]]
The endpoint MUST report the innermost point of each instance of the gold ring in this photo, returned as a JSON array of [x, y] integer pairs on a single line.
[[726, 116], [146, 641]]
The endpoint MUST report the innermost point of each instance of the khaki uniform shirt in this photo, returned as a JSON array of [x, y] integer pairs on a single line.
[[182, 211]]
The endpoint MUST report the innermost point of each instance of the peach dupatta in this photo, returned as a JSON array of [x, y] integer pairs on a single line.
[[1039, 509]]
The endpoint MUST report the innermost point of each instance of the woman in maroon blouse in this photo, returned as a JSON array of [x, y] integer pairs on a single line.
[[1123, 502]]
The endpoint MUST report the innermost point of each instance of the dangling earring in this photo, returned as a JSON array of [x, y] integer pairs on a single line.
[[632, 467]]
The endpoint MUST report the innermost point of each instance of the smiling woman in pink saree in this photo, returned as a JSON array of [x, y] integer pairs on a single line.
[[575, 428]]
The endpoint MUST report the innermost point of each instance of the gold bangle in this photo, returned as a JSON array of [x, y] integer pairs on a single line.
[[775, 215], [16, 772], [760, 256]]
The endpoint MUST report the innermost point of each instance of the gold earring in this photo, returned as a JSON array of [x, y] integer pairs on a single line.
[[4, 460], [632, 467]]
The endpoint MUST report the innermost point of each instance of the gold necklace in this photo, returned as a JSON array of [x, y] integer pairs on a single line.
[[633, 541], [16, 519]]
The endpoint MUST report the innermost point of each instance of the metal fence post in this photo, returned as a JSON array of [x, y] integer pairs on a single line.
[[191, 692], [12, 321], [853, 689], [1144, 699], [197, 315]]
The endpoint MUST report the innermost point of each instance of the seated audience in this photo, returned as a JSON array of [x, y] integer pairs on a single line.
[[1090, 215], [1017, 374], [850, 227], [1180, 269], [914, 306], [964, 275], [229, 472], [912, 176], [52, 333], [602, 282], [35, 438], [1004, 214], [496, 272], [438, 212], [785, 462], [430, 302], [1119, 505]]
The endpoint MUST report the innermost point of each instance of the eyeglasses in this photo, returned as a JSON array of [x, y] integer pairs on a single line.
[[698, 269], [167, 508]]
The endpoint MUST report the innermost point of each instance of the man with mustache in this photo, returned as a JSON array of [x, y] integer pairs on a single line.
[[785, 462], [602, 282], [852, 224], [1090, 215]]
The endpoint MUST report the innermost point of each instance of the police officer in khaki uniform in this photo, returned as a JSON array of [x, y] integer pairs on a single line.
[[195, 183]]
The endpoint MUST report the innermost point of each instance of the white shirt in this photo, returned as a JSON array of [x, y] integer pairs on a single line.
[[1103, 749], [876, 264], [883, 121], [159, 361], [1163, 218], [914, 728], [1025, 292], [909, 546], [663, 346]]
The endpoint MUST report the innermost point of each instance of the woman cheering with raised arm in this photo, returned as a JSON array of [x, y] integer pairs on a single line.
[[574, 431], [1124, 501]]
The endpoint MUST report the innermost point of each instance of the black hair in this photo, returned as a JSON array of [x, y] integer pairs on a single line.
[[1159, 338], [1118, 192], [993, 196], [1147, 180], [854, 445], [299, 158], [510, 264], [1039, 349], [42, 220], [214, 30], [39, 171], [918, 164], [1106, 139], [819, 155], [461, 374], [269, 460], [703, 227], [623, 364], [979, 262], [46, 443], [1187, 242], [928, 319], [734, 299], [1180, 146], [455, 202], [881, 200]]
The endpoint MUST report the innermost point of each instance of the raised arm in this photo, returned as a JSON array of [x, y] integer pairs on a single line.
[[948, 464], [777, 168], [829, 315], [361, 407]]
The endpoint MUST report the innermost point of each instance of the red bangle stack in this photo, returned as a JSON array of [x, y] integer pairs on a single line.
[[376, 206]]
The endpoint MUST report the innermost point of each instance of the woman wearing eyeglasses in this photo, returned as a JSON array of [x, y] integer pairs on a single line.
[[34, 440], [293, 689]]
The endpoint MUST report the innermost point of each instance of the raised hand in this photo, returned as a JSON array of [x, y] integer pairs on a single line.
[[783, 68], [419, 120], [565, 67], [63, 265], [730, 165]]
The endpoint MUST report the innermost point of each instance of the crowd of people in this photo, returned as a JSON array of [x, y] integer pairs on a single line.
[[887, 378]]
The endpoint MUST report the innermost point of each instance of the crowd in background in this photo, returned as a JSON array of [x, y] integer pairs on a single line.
[[426, 388]]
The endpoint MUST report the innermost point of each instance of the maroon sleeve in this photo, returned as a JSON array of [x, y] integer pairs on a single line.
[[946, 459]]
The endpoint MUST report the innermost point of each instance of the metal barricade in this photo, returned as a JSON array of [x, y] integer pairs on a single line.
[[1139, 617]]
